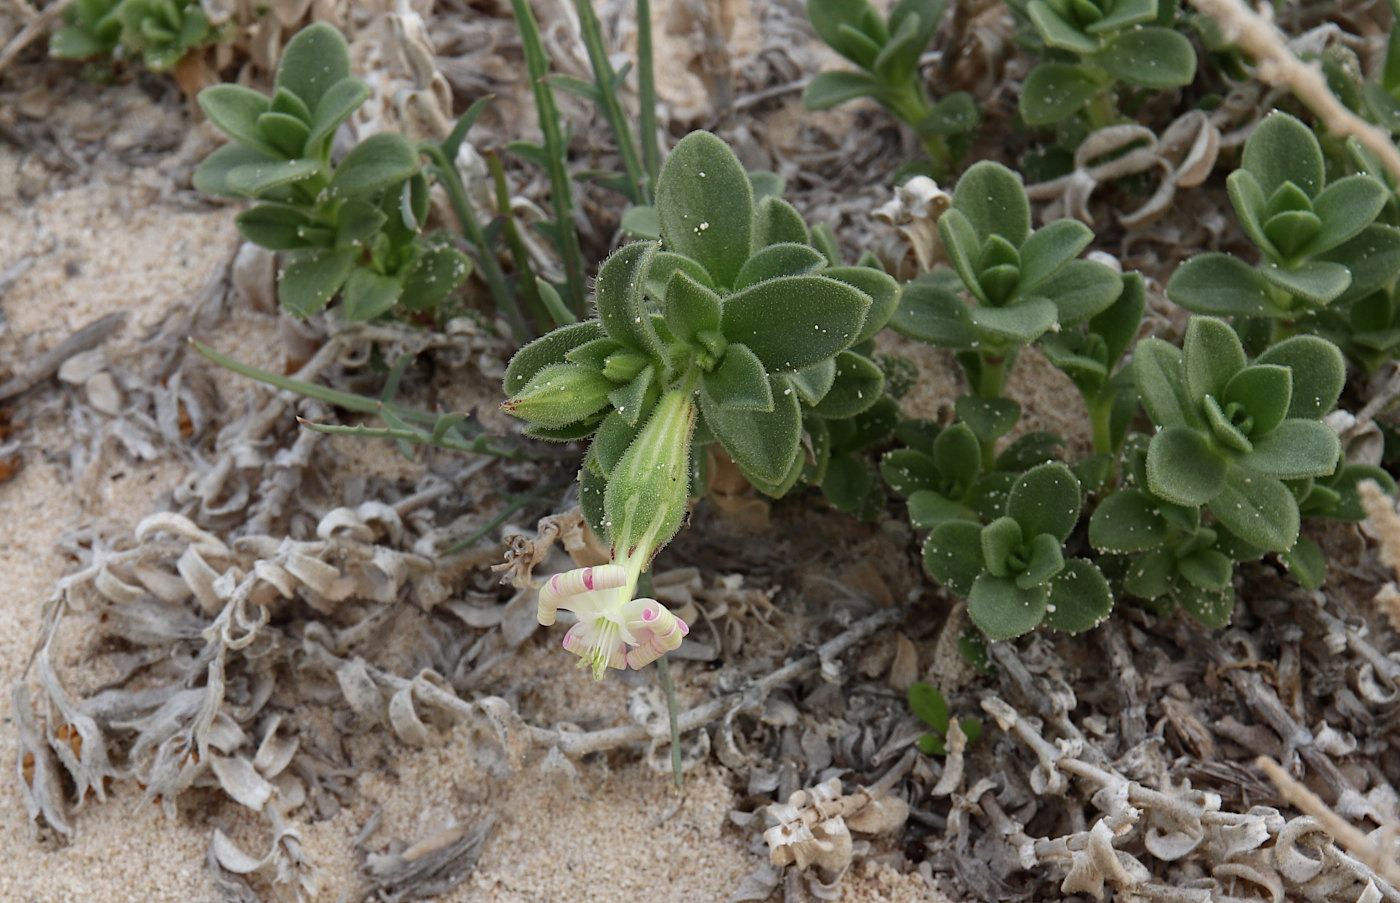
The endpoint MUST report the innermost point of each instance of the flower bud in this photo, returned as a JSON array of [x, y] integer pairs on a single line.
[[649, 489], [561, 394]]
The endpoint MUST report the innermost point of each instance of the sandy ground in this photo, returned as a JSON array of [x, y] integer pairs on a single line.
[[111, 238]]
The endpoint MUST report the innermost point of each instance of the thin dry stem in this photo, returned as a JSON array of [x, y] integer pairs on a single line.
[[36, 27], [1346, 835], [1276, 65]]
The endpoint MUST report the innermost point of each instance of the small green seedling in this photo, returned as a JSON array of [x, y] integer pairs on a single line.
[[352, 228], [1089, 46], [1013, 571], [932, 709], [1320, 243], [157, 32], [1231, 432], [1023, 284], [887, 52]]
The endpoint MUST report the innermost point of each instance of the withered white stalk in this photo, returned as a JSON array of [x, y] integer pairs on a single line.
[[645, 502]]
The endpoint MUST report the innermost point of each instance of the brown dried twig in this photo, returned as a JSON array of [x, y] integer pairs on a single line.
[[1277, 65]]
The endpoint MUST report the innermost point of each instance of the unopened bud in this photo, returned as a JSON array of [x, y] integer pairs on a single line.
[[649, 489], [561, 394]]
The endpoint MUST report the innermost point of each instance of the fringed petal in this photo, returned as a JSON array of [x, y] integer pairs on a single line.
[[561, 588], [654, 628]]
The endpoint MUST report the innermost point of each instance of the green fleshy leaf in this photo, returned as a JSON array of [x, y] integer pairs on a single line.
[[1048, 249], [314, 60], [620, 294], [783, 259], [1022, 323], [898, 60], [286, 133], [849, 484], [739, 383], [1212, 608], [1028, 450], [1081, 289], [1223, 286], [1249, 203], [630, 400], [858, 385], [763, 444], [273, 226], [812, 383], [929, 311], [1317, 282], [1003, 610], [259, 177], [831, 89], [1265, 391], [705, 204], [594, 353], [1150, 574], [642, 222], [358, 222], [955, 114], [1182, 468], [376, 163], [1045, 561], [1211, 356], [1124, 14], [882, 288], [1158, 372], [1057, 31], [963, 246], [439, 272], [1128, 521], [953, 555], [1373, 257], [1118, 323], [928, 509], [907, 471], [368, 294], [776, 221], [1283, 149], [610, 442], [994, 202], [1079, 598], [690, 308], [989, 418], [664, 265], [931, 745], [957, 455], [795, 321], [335, 106], [1258, 509], [1045, 499], [988, 495], [550, 348], [928, 704], [1306, 562], [1207, 569], [1055, 91], [311, 278], [1346, 207], [235, 110], [1296, 449], [1318, 374], [1152, 57], [1002, 539]]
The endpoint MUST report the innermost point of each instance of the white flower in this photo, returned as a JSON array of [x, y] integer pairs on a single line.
[[613, 630]]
